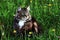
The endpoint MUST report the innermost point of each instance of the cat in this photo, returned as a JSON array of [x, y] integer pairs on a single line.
[[23, 21]]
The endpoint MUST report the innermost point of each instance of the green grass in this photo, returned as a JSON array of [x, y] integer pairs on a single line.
[[46, 12]]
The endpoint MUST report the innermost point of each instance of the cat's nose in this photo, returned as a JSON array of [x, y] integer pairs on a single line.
[[24, 15], [18, 11], [18, 17]]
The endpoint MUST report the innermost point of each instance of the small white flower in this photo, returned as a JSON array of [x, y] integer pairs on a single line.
[[53, 30], [30, 32], [14, 31], [29, 35], [2, 33], [52, 0]]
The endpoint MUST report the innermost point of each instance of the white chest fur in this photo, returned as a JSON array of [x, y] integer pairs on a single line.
[[21, 23]]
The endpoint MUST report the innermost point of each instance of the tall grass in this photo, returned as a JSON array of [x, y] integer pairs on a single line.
[[46, 12]]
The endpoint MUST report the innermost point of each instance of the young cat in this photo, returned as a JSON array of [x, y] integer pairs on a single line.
[[23, 21]]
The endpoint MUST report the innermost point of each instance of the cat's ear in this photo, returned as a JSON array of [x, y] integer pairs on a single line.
[[28, 8], [19, 9]]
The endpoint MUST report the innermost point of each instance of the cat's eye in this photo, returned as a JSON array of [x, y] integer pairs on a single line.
[[23, 14], [17, 11]]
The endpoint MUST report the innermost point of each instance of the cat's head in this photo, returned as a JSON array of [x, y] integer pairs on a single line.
[[22, 13]]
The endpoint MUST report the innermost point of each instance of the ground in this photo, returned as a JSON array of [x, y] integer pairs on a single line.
[[46, 12]]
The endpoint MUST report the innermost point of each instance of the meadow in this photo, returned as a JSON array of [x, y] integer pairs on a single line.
[[46, 12]]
